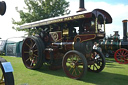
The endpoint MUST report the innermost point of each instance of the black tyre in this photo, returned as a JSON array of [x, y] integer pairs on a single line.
[[74, 64], [97, 60], [6, 78], [32, 52]]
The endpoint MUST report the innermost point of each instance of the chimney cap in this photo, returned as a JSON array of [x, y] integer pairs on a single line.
[[125, 20], [81, 9]]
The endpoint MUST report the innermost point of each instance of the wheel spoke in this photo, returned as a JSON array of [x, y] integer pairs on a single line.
[[31, 63], [72, 58], [118, 54], [28, 45], [70, 68], [69, 62], [78, 70], [35, 50], [28, 59], [125, 53], [33, 45], [90, 66], [26, 52], [77, 59], [95, 66], [35, 55], [122, 52], [74, 71]]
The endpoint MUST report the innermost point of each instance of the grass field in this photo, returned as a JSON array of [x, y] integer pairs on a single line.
[[113, 74]]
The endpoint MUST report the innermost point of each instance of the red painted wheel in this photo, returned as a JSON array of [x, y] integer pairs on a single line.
[[121, 56], [74, 64]]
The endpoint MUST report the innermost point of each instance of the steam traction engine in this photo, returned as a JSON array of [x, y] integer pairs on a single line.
[[117, 46], [67, 41], [121, 55]]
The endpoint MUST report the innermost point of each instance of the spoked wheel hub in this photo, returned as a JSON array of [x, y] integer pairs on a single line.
[[31, 54], [74, 65]]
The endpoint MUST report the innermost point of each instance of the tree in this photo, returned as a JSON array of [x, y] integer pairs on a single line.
[[39, 10]]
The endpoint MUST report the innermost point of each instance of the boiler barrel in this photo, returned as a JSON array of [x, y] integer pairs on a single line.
[[112, 45]]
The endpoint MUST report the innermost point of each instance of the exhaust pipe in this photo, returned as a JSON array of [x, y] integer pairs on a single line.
[[81, 6], [125, 30]]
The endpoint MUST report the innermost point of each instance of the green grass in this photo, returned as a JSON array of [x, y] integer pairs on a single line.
[[113, 74]]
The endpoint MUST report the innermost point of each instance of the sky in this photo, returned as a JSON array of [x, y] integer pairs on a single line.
[[118, 9]]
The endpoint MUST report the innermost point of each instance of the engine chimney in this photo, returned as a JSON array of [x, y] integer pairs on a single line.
[[125, 30], [81, 4]]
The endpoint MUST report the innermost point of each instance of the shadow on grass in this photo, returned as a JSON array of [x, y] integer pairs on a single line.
[[110, 65], [113, 64], [106, 78], [102, 78], [46, 70], [110, 59]]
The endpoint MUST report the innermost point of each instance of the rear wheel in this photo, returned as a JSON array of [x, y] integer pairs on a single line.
[[74, 64], [97, 61], [32, 52], [121, 56], [6, 78]]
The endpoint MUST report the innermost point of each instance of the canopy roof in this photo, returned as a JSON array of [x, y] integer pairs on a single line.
[[68, 18]]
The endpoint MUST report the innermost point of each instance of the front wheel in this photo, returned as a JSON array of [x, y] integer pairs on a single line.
[[32, 52], [74, 64]]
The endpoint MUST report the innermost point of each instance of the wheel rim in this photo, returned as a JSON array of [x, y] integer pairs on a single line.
[[121, 56], [31, 53], [74, 66], [98, 61]]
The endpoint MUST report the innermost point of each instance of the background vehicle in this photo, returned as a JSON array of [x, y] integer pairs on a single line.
[[116, 46]]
